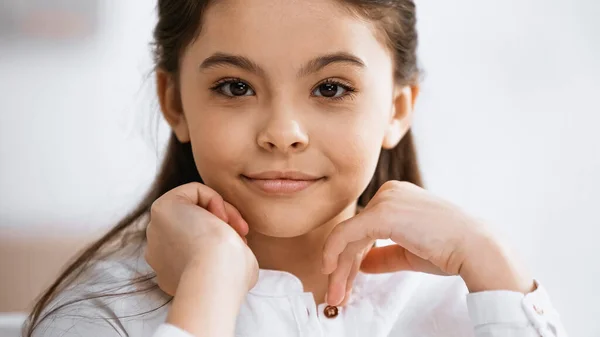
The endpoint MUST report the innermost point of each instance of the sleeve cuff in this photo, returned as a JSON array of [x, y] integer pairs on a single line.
[[168, 330], [514, 308]]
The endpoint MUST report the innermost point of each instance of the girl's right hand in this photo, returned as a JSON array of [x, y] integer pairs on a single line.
[[190, 227]]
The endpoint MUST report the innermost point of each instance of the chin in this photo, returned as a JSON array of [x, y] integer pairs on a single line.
[[289, 229], [286, 219], [291, 214]]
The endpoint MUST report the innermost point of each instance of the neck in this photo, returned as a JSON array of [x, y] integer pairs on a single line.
[[301, 255]]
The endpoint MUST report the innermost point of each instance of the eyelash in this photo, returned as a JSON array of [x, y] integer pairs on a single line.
[[218, 86], [349, 94]]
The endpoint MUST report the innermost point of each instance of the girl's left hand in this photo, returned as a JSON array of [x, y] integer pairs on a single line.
[[431, 236]]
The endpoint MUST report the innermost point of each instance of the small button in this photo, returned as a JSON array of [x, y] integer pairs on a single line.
[[330, 311], [539, 310]]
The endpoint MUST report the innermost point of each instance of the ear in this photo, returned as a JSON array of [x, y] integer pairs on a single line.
[[170, 105], [401, 116]]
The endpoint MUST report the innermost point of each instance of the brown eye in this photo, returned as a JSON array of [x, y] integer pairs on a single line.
[[239, 88], [330, 90], [235, 89]]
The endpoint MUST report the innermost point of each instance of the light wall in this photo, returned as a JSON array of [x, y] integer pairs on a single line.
[[506, 127]]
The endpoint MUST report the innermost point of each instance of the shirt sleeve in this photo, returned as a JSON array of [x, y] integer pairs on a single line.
[[509, 313], [168, 330]]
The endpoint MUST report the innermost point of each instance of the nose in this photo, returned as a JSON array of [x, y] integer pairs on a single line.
[[283, 133]]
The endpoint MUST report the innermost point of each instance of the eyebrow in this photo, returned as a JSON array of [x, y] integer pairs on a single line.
[[321, 62], [314, 65], [223, 59]]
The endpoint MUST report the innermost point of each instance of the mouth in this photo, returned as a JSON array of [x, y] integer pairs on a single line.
[[281, 183]]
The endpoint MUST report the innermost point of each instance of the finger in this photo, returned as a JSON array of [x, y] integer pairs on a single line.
[[350, 283], [218, 208], [198, 194], [337, 281], [235, 219], [339, 278], [362, 226], [395, 258]]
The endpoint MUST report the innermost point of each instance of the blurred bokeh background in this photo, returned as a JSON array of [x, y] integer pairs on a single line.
[[508, 127]]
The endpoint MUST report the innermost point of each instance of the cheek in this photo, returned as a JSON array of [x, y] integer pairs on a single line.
[[217, 143], [353, 146], [355, 155], [356, 140]]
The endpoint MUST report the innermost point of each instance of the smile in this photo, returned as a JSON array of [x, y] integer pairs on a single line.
[[280, 183]]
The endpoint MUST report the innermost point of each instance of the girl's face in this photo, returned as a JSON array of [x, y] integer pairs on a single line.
[[274, 87]]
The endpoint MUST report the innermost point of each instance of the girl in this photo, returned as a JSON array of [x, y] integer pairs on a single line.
[[291, 151]]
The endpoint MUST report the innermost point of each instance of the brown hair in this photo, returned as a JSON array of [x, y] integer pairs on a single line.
[[179, 22]]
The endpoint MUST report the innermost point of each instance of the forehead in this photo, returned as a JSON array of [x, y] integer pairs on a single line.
[[275, 31]]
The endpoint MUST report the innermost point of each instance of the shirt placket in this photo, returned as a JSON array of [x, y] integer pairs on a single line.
[[318, 320], [331, 319]]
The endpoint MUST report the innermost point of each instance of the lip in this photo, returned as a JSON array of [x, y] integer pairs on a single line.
[[281, 183], [281, 175]]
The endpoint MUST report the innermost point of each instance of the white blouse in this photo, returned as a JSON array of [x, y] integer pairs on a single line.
[[403, 304]]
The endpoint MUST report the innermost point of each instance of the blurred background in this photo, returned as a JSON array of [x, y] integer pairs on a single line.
[[507, 127]]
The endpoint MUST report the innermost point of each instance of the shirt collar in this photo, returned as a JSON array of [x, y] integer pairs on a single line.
[[276, 283], [273, 283], [282, 283]]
